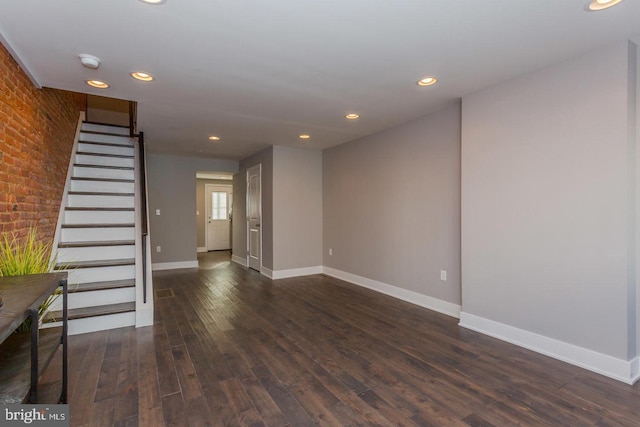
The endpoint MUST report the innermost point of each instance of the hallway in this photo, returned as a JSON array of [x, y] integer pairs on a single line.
[[230, 347]]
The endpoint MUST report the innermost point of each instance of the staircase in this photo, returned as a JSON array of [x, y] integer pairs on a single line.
[[97, 239]]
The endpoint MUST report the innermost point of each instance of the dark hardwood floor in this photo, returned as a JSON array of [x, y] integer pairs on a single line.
[[232, 348]]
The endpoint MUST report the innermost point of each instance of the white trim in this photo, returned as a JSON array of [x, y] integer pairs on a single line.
[[67, 186], [618, 369], [297, 272], [266, 272], [239, 260], [635, 370], [174, 265], [144, 317], [422, 300], [202, 249], [18, 58]]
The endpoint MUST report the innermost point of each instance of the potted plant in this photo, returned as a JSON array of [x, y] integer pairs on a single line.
[[27, 256]]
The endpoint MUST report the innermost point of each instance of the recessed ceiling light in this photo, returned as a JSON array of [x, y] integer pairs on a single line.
[[427, 81], [141, 75], [352, 116], [98, 83], [305, 136], [154, 1], [214, 138], [595, 5]]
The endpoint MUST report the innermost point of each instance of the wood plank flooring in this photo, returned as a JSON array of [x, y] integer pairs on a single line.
[[230, 347]]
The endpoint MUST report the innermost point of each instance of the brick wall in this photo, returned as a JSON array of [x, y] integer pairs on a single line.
[[37, 129]]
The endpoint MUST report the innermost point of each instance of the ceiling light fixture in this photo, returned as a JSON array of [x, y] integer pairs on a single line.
[[154, 1], [305, 136], [352, 116], [142, 76], [596, 5], [98, 84], [214, 138], [427, 81]]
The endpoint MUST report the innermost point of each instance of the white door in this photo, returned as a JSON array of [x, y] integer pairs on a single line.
[[254, 216], [218, 203]]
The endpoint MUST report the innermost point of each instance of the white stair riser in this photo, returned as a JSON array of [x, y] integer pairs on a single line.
[[105, 128], [99, 217], [102, 186], [84, 172], [105, 297], [105, 149], [95, 298], [99, 323], [110, 139], [84, 201], [87, 159], [67, 255], [101, 274], [97, 234]]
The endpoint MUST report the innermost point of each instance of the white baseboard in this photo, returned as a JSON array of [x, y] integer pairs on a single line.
[[201, 249], [425, 301], [174, 265], [296, 272], [266, 272], [239, 260], [618, 369]]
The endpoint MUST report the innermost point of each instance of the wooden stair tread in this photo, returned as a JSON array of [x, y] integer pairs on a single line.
[[84, 165], [101, 286], [89, 122], [85, 312], [98, 263], [99, 132], [107, 225], [99, 193], [108, 144], [119, 156], [81, 178], [97, 243], [98, 208]]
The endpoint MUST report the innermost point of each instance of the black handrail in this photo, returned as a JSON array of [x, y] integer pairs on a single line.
[[145, 223]]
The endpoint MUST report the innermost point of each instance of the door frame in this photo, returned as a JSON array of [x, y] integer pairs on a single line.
[[207, 208], [252, 168]]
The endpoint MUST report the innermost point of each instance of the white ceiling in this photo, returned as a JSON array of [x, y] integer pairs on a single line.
[[261, 72]]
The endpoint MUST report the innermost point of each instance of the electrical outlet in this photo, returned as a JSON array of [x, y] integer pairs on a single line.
[[443, 275], [158, 213], [330, 251], [158, 249]]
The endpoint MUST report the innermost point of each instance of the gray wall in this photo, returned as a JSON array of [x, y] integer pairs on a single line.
[[201, 220], [634, 114], [391, 206], [172, 189], [548, 194], [264, 157], [297, 208]]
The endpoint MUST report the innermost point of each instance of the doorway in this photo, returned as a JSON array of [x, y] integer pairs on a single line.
[[218, 202], [204, 210], [254, 217]]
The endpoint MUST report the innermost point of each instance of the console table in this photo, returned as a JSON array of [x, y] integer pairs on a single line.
[[24, 356]]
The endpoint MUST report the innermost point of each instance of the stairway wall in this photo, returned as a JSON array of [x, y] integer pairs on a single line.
[[37, 130]]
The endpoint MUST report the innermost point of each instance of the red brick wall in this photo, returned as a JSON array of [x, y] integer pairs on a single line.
[[37, 129]]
